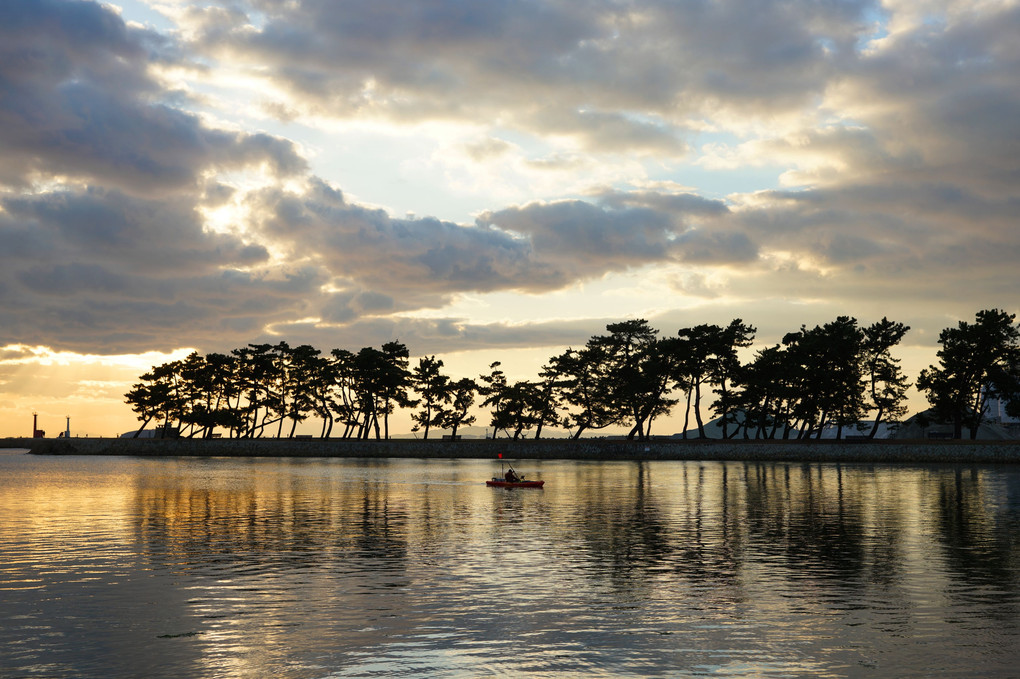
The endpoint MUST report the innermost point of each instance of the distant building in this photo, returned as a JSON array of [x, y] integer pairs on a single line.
[[925, 425], [713, 430], [155, 433], [143, 434]]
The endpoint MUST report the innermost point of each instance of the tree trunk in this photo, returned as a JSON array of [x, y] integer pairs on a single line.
[[726, 409], [874, 427], [697, 410], [137, 431], [687, 413]]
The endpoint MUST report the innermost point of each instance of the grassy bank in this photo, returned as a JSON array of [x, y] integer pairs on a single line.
[[546, 449]]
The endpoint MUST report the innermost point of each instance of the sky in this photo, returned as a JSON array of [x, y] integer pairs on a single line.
[[488, 181]]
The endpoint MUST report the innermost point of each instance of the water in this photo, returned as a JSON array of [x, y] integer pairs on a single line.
[[121, 567]]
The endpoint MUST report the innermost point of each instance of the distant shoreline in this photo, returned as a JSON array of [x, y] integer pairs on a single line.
[[879, 451]]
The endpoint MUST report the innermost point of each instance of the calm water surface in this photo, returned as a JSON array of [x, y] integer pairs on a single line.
[[121, 567]]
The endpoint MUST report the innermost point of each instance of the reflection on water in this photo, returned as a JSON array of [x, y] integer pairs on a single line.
[[114, 567]]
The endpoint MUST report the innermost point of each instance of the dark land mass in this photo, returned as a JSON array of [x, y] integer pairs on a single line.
[[880, 451]]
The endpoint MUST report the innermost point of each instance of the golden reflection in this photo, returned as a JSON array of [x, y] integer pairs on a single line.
[[222, 567], [747, 555]]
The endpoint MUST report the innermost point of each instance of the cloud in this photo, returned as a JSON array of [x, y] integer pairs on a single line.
[[383, 253], [625, 231], [444, 335], [895, 136], [614, 76], [80, 102], [487, 148], [418, 263], [99, 270]]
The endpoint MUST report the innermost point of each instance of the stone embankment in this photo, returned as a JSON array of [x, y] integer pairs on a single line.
[[972, 452]]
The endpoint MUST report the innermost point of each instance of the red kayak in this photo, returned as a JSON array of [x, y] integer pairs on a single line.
[[503, 483]]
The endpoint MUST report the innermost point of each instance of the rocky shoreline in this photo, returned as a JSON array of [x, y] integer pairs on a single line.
[[884, 451]]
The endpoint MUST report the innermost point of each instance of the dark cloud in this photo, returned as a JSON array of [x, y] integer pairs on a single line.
[[582, 233], [443, 335], [104, 271], [145, 236], [619, 76], [79, 101], [534, 248], [408, 255], [626, 230], [716, 247], [890, 225]]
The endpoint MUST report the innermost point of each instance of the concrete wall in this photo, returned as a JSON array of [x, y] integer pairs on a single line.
[[584, 449]]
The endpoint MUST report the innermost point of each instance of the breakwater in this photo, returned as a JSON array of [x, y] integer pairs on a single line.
[[885, 451]]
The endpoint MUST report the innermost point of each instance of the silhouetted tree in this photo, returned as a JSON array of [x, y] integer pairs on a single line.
[[826, 368], [707, 355], [302, 382], [343, 389], [626, 376], [695, 346], [637, 373], [394, 382], [369, 372], [724, 367], [887, 385], [766, 395], [462, 396], [583, 386], [547, 399], [977, 361], [513, 407], [145, 399], [433, 388], [493, 388], [255, 369]]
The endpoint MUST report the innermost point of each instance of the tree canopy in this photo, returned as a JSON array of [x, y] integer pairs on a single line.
[[977, 361], [838, 374]]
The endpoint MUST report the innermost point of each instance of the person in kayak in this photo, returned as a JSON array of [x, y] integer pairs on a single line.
[[511, 476]]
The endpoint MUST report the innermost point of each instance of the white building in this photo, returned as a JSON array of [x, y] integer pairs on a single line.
[[995, 411]]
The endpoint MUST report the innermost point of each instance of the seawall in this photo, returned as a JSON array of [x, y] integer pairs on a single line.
[[967, 452]]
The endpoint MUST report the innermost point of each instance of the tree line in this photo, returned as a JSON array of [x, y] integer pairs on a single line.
[[834, 375]]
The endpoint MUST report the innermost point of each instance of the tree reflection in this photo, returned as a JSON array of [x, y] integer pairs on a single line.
[[257, 526], [979, 534], [644, 529], [805, 514]]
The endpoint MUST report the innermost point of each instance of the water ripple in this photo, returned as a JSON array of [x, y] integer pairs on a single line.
[[331, 568]]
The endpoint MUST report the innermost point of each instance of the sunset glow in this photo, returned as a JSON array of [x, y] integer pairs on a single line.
[[487, 181]]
